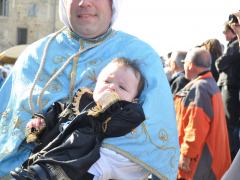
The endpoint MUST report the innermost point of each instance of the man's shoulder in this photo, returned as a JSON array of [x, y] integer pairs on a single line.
[[206, 85]]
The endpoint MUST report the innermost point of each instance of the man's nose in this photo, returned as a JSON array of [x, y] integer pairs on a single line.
[[81, 2]]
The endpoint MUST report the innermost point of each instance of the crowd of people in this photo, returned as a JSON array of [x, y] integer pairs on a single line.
[[207, 106], [83, 103]]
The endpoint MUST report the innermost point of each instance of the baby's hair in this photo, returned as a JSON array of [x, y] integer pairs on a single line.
[[135, 67]]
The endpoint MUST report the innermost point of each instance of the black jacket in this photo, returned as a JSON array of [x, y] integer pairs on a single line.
[[77, 147], [178, 82], [228, 66]]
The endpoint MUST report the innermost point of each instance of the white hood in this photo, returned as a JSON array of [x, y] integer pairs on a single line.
[[65, 20]]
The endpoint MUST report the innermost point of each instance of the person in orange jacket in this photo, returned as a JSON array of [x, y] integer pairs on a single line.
[[203, 135]]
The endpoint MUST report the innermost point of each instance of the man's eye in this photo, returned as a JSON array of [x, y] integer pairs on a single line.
[[122, 87], [107, 81]]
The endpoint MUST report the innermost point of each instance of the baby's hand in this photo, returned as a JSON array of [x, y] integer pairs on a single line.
[[36, 123], [34, 128], [108, 98]]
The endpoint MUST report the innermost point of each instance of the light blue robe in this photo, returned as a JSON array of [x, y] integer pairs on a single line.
[[154, 144]]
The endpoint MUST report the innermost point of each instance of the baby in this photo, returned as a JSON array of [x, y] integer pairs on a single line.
[[70, 136]]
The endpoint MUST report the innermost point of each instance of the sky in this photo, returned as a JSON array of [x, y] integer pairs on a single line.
[[175, 24]]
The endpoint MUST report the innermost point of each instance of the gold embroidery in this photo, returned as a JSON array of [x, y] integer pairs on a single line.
[[163, 136], [5, 114], [107, 99], [73, 76], [76, 100], [135, 159], [95, 111], [105, 124], [162, 147], [16, 122]]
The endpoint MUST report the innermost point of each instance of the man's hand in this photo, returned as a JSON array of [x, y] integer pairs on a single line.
[[184, 163]]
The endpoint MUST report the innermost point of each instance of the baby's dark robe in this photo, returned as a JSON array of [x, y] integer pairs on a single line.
[[72, 151]]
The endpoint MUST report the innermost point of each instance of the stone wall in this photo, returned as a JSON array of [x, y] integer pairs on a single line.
[[39, 17]]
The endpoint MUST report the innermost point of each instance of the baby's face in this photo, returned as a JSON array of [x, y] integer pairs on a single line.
[[119, 79]]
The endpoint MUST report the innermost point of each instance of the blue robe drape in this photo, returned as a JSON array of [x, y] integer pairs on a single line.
[[154, 144]]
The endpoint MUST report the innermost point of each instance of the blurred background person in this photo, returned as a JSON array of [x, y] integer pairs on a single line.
[[228, 66], [215, 48], [233, 171], [178, 80]]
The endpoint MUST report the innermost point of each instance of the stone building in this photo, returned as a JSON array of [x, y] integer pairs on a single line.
[[25, 21]]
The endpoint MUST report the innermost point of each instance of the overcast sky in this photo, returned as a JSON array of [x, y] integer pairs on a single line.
[[175, 24]]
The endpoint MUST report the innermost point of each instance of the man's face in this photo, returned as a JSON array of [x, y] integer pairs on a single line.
[[89, 18], [187, 64], [229, 35], [119, 79]]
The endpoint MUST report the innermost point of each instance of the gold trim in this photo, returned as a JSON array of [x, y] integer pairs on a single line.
[[105, 124], [76, 99], [146, 166], [73, 76], [163, 147]]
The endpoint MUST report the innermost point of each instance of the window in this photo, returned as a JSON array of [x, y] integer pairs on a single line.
[[21, 35], [32, 10], [4, 6]]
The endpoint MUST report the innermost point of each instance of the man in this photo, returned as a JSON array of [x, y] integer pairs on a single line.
[[203, 137], [228, 66], [52, 68], [178, 81]]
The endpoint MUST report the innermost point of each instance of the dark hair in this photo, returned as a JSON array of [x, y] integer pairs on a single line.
[[232, 19], [228, 27], [135, 67], [214, 47]]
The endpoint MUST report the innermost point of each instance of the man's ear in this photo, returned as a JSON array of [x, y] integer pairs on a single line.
[[174, 65], [190, 65]]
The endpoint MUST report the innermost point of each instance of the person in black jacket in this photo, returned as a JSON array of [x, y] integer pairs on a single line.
[[233, 172], [71, 137], [228, 66]]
